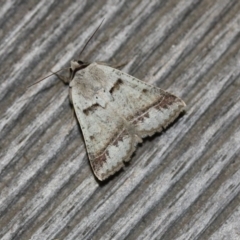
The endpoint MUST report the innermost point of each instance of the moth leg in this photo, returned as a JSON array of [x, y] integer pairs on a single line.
[[65, 79]]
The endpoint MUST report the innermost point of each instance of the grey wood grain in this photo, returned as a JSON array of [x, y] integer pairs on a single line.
[[181, 184]]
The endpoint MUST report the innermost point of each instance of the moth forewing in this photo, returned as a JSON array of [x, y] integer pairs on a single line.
[[115, 111]]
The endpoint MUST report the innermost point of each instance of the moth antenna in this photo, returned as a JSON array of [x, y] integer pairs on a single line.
[[47, 77], [91, 37]]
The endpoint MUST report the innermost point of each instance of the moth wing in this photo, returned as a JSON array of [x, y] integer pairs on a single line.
[[115, 111]]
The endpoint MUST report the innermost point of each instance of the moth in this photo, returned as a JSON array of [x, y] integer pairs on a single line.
[[115, 112]]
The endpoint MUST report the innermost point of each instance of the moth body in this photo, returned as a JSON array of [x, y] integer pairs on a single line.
[[115, 111]]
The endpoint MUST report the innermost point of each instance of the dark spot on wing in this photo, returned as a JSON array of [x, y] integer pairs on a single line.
[[117, 85], [90, 109]]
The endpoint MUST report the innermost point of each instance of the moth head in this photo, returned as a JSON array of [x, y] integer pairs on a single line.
[[77, 65]]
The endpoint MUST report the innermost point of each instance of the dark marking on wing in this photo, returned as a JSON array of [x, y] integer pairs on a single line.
[[90, 109], [97, 162], [167, 101], [164, 101], [117, 85], [119, 138]]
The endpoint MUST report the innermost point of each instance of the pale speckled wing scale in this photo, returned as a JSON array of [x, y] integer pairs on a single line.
[[115, 111]]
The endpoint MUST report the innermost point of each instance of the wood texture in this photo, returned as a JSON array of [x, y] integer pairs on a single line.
[[181, 184]]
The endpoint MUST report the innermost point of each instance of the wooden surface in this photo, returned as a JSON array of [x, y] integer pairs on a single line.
[[181, 184]]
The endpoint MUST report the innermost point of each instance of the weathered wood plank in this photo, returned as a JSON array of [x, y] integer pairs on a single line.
[[181, 184]]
